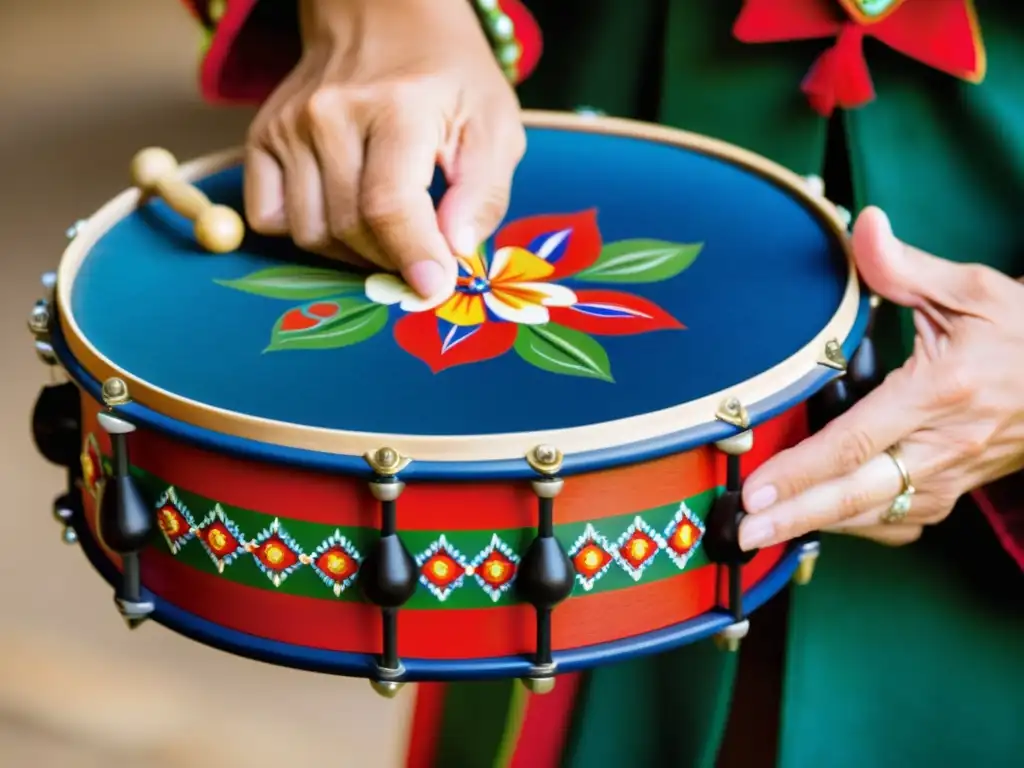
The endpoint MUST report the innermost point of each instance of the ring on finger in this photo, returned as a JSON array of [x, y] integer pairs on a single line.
[[900, 506]]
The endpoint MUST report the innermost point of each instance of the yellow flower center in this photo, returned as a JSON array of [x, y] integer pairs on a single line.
[[217, 539]]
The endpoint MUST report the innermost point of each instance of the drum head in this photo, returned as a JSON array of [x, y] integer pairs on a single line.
[[640, 276]]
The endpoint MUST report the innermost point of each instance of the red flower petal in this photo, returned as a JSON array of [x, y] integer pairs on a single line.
[[419, 334], [569, 242], [613, 313]]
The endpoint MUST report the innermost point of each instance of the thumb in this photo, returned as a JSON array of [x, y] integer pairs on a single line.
[[905, 275], [477, 200]]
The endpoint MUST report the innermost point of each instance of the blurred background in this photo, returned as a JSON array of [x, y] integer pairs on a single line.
[[83, 85]]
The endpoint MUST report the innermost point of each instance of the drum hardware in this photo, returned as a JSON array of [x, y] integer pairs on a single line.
[[125, 519], [808, 559], [721, 535], [388, 575], [56, 417], [844, 216], [833, 356], [546, 575], [864, 372], [217, 228], [75, 229], [56, 432], [858, 377], [65, 513], [39, 319], [816, 187], [39, 322]]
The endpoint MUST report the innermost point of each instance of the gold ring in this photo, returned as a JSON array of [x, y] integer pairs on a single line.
[[901, 504]]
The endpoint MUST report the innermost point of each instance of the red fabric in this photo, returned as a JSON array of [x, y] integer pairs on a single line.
[[943, 34], [426, 725], [546, 724], [246, 61], [1002, 503]]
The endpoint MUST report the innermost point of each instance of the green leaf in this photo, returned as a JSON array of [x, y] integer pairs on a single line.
[[355, 321], [640, 261], [297, 283], [558, 349]]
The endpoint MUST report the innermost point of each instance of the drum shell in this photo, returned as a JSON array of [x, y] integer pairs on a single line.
[[303, 612]]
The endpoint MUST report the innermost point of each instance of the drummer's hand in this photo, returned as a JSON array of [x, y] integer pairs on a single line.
[[955, 409], [341, 155]]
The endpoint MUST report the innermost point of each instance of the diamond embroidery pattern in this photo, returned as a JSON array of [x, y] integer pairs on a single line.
[[276, 553], [495, 568], [175, 521], [591, 555], [637, 547], [220, 538], [336, 561], [443, 569], [683, 535]]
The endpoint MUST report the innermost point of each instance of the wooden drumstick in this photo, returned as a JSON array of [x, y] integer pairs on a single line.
[[218, 228]]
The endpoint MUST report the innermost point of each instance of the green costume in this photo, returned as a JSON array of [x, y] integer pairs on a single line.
[[892, 657]]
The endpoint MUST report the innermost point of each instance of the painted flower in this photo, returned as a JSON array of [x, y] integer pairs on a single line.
[[93, 475], [525, 290], [504, 296]]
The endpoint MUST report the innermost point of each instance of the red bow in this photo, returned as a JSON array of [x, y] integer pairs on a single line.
[[943, 34]]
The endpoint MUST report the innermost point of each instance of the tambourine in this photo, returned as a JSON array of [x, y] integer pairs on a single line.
[[309, 465]]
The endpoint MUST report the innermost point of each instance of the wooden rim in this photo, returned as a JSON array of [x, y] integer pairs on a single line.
[[473, 448]]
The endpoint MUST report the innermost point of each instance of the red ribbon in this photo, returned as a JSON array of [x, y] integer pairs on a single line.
[[943, 34]]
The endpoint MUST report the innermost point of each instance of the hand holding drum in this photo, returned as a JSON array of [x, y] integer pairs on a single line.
[[218, 228]]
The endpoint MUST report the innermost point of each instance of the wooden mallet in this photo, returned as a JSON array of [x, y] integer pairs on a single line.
[[217, 228]]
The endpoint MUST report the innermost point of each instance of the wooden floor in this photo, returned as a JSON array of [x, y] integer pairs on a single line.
[[83, 85]]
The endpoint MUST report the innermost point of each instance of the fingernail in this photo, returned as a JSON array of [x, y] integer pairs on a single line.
[[755, 532], [427, 278], [465, 242], [762, 498]]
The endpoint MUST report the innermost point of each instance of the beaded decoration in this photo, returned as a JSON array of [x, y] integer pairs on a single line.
[[501, 32]]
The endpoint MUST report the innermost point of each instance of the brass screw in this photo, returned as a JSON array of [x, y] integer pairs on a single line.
[[386, 461], [545, 459], [115, 392]]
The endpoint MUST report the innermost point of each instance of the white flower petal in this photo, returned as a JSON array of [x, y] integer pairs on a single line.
[[531, 314], [554, 295], [388, 289], [499, 260]]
